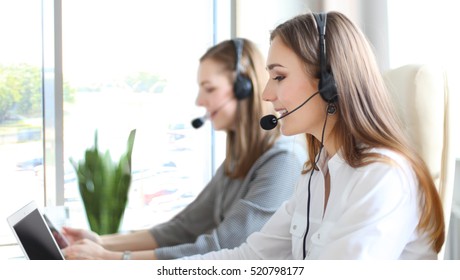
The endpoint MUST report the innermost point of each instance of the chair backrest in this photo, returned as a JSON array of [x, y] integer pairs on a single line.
[[421, 94]]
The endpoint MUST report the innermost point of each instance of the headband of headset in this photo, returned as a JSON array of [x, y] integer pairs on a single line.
[[327, 85]]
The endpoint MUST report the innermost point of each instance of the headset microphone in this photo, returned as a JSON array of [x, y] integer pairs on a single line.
[[198, 122], [269, 122]]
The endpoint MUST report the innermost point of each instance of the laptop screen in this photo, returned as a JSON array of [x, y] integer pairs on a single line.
[[35, 238]]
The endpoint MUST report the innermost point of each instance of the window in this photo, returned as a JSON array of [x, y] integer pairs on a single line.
[[132, 65], [126, 64], [21, 122]]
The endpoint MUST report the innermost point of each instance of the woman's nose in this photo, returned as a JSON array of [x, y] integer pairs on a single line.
[[199, 100], [267, 94]]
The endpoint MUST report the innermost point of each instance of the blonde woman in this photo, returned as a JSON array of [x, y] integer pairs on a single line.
[[257, 175]]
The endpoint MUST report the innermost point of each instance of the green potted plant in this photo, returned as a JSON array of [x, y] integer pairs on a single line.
[[104, 186]]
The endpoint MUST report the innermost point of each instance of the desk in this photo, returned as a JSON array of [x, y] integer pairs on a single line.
[[11, 252]]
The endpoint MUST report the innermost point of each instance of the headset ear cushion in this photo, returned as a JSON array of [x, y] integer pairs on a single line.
[[328, 88], [242, 87]]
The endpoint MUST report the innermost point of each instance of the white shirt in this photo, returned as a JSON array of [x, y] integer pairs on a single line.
[[372, 213]]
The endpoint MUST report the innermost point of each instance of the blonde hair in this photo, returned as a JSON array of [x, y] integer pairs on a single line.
[[248, 141], [366, 116]]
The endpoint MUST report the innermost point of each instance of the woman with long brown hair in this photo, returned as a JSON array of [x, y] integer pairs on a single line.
[[364, 193], [257, 175]]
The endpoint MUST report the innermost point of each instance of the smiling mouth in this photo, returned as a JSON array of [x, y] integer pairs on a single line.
[[213, 113], [282, 113]]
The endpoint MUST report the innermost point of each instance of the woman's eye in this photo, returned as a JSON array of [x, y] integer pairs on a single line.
[[209, 90], [278, 78]]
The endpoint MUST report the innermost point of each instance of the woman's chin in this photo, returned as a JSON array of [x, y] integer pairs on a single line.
[[217, 126], [285, 130]]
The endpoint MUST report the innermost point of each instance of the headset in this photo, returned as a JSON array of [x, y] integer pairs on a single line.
[[328, 91], [242, 86], [327, 85]]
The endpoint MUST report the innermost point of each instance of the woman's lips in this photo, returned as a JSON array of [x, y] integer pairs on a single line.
[[213, 114], [282, 112]]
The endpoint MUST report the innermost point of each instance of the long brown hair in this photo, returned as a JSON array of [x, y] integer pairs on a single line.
[[248, 141], [366, 117]]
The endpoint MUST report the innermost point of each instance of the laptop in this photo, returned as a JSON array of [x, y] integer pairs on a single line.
[[33, 234]]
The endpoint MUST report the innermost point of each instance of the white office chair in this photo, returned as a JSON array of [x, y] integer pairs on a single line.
[[421, 94]]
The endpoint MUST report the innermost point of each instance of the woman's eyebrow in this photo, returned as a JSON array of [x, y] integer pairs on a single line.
[[273, 65], [203, 83]]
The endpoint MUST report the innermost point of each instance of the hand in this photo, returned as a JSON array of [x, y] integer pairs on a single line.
[[84, 249], [74, 235]]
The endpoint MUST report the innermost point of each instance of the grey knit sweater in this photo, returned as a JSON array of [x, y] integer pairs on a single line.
[[227, 211]]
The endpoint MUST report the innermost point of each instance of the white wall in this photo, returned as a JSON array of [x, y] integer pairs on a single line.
[[256, 18]]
